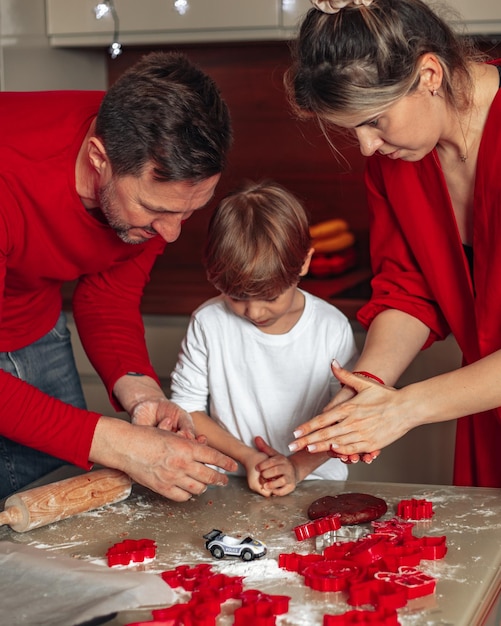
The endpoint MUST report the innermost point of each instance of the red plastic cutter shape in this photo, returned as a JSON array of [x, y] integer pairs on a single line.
[[369, 549], [415, 582], [332, 575], [415, 509], [394, 526], [380, 593], [131, 551], [260, 609], [318, 526]]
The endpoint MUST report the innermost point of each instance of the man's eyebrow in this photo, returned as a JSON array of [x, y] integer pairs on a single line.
[[163, 209], [151, 207]]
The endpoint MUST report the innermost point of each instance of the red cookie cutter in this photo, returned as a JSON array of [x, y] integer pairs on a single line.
[[293, 562], [393, 526], [338, 550], [415, 582], [318, 526], [260, 609], [192, 613], [131, 551], [210, 591], [415, 509], [380, 593], [403, 549], [368, 550], [332, 575], [204, 584], [188, 577], [434, 547]]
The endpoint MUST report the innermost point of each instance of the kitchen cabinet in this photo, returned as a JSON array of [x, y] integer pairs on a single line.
[[73, 22]]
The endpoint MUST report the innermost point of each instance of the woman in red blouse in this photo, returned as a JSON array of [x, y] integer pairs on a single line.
[[425, 108]]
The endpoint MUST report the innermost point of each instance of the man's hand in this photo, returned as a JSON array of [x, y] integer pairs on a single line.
[[170, 464]]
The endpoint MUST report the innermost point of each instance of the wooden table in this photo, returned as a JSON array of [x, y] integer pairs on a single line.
[[468, 578]]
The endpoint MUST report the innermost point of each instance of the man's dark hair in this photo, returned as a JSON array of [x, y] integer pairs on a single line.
[[166, 111]]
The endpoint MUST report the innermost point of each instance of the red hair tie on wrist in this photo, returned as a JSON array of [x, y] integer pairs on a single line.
[[369, 375]]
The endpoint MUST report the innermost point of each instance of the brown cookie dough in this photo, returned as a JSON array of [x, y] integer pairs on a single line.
[[354, 508]]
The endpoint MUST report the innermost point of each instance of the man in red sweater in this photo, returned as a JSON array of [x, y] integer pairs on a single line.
[[92, 186]]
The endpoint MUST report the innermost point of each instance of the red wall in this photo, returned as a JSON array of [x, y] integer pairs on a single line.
[[268, 141]]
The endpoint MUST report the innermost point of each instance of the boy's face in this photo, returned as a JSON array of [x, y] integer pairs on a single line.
[[274, 316]]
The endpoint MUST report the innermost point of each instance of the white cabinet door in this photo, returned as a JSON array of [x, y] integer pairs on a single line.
[[73, 22]]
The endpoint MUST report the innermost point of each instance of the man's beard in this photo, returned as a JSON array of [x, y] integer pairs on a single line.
[[106, 197]]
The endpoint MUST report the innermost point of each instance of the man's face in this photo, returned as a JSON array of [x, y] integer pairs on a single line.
[[141, 208]]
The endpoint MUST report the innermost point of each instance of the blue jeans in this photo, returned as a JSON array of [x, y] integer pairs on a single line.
[[48, 364]]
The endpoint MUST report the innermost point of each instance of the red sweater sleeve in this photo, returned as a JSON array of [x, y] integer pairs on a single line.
[[398, 281], [34, 419], [106, 308]]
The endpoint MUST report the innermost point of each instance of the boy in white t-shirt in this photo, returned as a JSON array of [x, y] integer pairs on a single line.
[[255, 361]]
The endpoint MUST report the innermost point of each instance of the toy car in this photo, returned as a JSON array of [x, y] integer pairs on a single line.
[[220, 545]]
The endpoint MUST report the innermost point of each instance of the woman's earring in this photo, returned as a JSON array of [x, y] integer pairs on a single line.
[[434, 92]]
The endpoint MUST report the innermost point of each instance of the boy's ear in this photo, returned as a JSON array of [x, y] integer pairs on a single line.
[[306, 264]]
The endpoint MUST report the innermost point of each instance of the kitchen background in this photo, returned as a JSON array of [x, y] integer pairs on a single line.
[[60, 44]]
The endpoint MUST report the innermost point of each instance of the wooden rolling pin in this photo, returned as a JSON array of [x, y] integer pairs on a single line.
[[56, 501]]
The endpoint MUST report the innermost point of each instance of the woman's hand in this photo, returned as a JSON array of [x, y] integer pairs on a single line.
[[357, 427], [344, 394]]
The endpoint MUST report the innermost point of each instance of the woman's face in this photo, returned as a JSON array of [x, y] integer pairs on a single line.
[[407, 130]]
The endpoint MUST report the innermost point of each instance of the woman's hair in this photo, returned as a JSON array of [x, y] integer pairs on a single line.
[[365, 58], [167, 112], [257, 243]]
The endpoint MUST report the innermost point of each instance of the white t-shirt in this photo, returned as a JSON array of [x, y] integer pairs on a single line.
[[254, 383]]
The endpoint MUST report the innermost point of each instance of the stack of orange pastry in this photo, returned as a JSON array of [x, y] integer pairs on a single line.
[[334, 245]]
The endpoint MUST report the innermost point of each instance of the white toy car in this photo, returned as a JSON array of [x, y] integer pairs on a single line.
[[220, 545]]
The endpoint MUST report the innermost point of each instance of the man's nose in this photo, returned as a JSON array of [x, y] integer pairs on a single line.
[[168, 227]]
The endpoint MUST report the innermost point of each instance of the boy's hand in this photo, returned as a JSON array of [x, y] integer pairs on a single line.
[[164, 414], [254, 480], [277, 473]]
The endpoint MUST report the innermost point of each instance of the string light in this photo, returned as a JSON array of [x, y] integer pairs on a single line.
[[103, 9], [181, 6], [107, 8]]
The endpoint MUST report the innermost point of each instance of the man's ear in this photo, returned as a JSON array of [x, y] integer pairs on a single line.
[[97, 155], [306, 264]]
